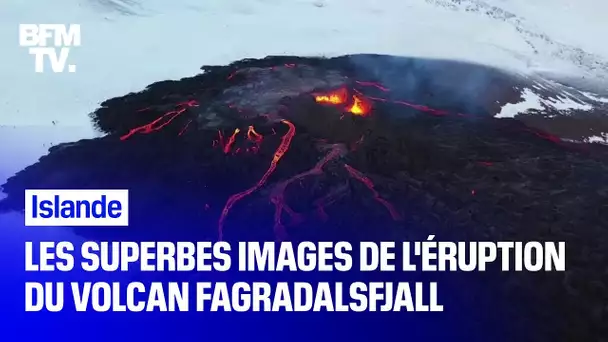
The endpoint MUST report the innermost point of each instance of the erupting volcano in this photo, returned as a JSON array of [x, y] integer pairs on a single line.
[[355, 147], [356, 104], [353, 102]]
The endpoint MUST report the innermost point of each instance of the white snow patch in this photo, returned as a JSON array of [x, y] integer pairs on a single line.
[[594, 97], [566, 103], [598, 139], [530, 101]]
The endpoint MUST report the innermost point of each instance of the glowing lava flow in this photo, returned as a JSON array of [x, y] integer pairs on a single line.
[[370, 185], [255, 138], [253, 135], [278, 194], [278, 154], [231, 140], [361, 104], [422, 108], [335, 98], [358, 106], [158, 124]]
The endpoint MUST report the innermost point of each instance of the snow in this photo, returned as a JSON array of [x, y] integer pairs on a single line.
[[533, 101], [595, 97], [580, 23], [598, 139], [561, 102], [530, 100]]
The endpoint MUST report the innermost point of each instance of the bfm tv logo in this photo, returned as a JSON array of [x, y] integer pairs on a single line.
[[35, 37], [76, 208]]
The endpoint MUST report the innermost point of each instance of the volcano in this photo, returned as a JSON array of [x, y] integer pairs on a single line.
[[291, 148]]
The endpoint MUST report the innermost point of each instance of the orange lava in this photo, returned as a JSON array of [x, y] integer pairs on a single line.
[[251, 145], [336, 97], [162, 121], [359, 105], [278, 154], [277, 196], [253, 135], [231, 140]]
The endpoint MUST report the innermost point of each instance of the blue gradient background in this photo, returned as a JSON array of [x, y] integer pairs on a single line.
[[70, 325], [466, 302]]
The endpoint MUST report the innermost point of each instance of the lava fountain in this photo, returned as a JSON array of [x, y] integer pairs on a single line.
[[356, 104]]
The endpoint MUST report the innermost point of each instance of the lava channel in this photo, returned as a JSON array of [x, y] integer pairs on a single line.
[[162, 121], [278, 154], [278, 194], [252, 144]]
